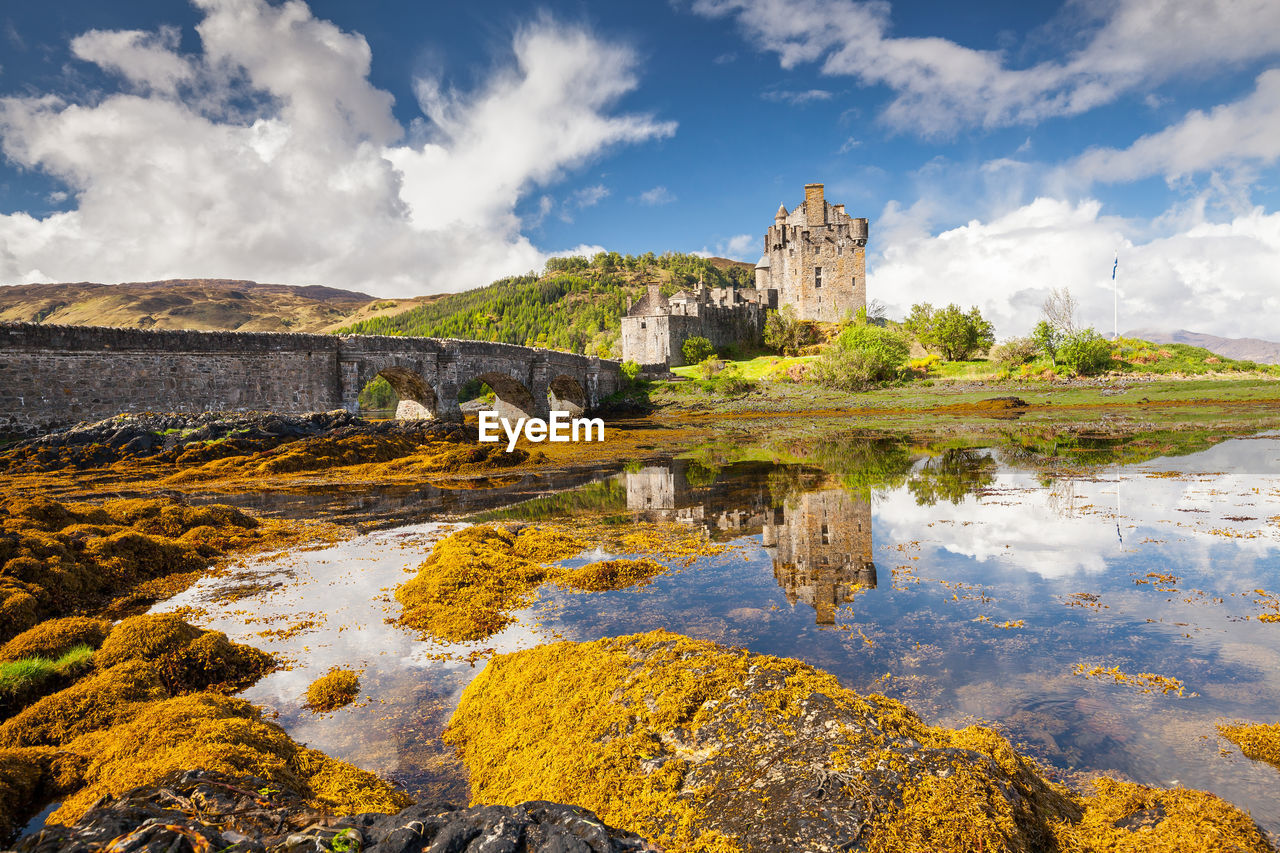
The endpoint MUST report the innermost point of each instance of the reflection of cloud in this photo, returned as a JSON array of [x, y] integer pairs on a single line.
[[339, 588], [1072, 527]]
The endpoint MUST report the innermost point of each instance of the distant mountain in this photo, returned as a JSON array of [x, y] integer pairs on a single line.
[[244, 306], [1244, 349]]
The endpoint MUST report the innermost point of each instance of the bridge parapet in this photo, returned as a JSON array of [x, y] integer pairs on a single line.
[[54, 375]]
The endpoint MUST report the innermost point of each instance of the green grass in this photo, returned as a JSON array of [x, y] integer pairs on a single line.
[[24, 676], [976, 369], [764, 367]]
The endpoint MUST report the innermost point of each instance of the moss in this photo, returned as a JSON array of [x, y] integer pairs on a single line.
[[1122, 817], [52, 638], [333, 690], [697, 746], [218, 733], [1258, 741]]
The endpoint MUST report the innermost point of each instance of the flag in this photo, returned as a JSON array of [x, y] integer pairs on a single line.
[[1113, 268]]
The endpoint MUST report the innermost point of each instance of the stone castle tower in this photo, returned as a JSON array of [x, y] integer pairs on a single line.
[[816, 258]]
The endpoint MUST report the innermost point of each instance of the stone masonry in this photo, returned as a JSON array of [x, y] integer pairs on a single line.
[[814, 261], [57, 375]]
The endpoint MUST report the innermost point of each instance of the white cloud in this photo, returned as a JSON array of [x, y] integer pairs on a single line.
[[1210, 277], [590, 196], [940, 86], [657, 196], [785, 96], [146, 59], [319, 182], [1247, 130], [849, 144]]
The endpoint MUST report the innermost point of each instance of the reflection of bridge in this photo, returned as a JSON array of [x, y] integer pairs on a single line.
[[820, 540], [59, 374]]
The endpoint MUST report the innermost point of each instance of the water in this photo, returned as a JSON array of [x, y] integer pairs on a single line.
[[969, 582]]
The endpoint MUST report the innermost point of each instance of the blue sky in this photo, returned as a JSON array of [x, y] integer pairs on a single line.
[[999, 148]]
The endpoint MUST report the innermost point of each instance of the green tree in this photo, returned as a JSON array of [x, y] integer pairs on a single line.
[[1047, 340], [696, 349], [952, 333]]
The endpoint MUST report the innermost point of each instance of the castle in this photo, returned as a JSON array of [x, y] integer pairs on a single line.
[[814, 261]]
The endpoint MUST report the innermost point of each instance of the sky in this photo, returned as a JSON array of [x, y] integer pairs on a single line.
[[999, 148]]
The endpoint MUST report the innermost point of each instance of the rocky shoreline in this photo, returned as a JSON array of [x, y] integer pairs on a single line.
[[202, 812]]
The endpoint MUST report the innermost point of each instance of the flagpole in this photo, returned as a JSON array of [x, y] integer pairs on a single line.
[[1115, 290]]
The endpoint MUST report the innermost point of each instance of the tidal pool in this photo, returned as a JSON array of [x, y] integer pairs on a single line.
[[977, 584]]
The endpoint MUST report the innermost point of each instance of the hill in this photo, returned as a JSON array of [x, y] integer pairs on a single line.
[[1244, 349], [208, 304], [574, 305]]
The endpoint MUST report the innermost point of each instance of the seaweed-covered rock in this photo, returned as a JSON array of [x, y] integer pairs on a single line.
[[196, 438], [705, 748], [56, 636], [335, 689], [208, 810]]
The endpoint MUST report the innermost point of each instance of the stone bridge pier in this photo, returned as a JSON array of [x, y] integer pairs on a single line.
[[56, 375]]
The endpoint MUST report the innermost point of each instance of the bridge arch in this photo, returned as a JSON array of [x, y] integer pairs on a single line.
[[565, 394], [512, 398], [417, 400]]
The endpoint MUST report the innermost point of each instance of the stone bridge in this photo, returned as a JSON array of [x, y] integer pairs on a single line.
[[55, 375]]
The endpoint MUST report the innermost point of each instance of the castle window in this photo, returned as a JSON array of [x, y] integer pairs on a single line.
[[839, 250], [817, 276], [826, 535], [643, 324]]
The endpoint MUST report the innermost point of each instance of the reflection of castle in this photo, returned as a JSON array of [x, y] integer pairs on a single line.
[[821, 547], [727, 506], [820, 541]]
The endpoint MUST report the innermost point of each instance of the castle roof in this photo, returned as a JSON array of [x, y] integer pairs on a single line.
[[763, 263], [782, 211]]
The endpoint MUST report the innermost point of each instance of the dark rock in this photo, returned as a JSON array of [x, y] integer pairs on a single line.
[[195, 808]]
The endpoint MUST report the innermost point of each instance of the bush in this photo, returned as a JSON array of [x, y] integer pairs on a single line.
[[785, 333], [861, 356], [630, 370], [710, 366], [1014, 353], [1086, 352], [696, 349], [730, 382]]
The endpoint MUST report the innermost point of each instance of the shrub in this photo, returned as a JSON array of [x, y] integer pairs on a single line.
[[730, 382], [710, 366], [861, 356], [787, 334], [1086, 352], [696, 349], [1014, 353]]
